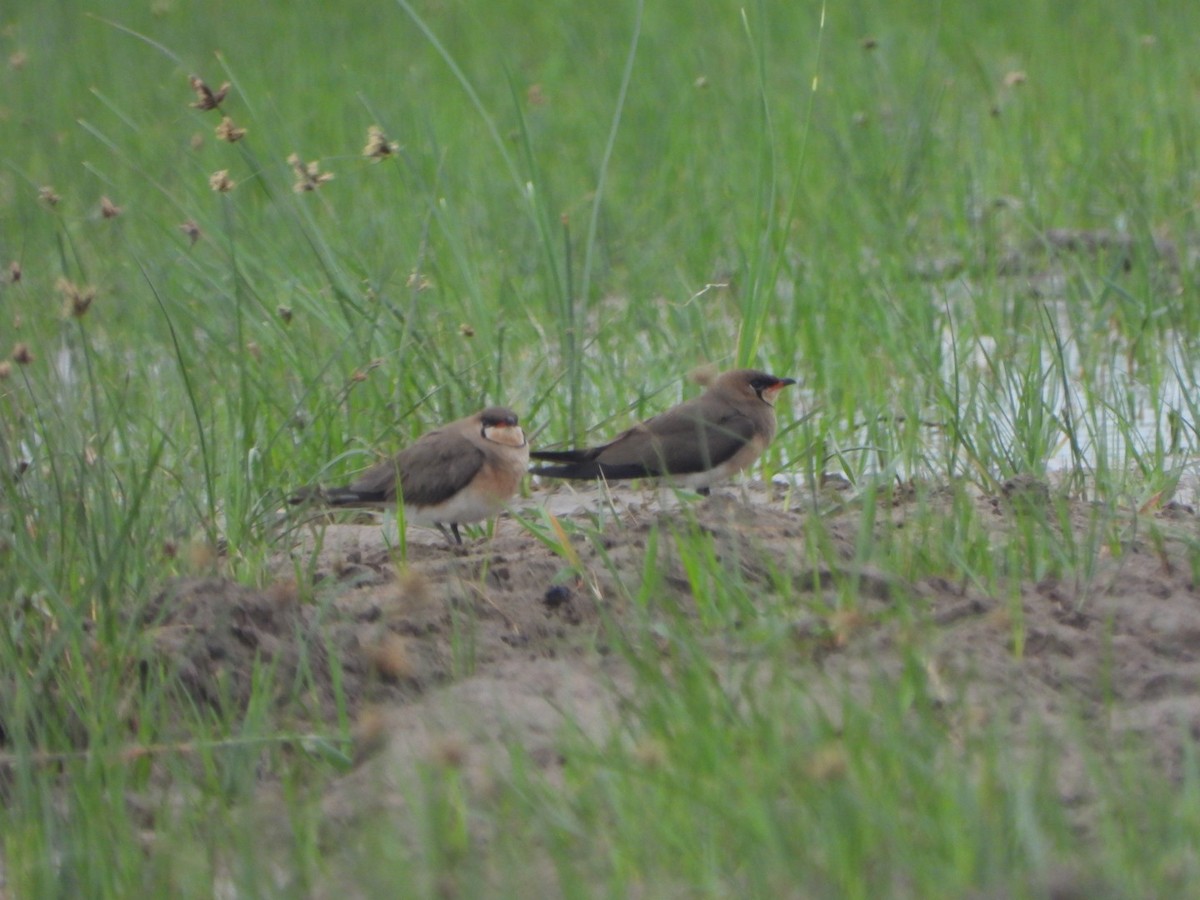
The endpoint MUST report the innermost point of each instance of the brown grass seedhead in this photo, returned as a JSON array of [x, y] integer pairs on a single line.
[[285, 313], [192, 230], [417, 281], [378, 146], [206, 97], [76, 300], [284, 593], [221, 182], [5, 370], [1013, 79], [450, 752], [309, 176], [370, 733], [228, 132], [21, 354], [201, 555], [392, 659], [108, 209], [360, 375], [651, 753], [415, 586], [14, 272], [47, 195], [704, 375], [827, 763], [844, 624]]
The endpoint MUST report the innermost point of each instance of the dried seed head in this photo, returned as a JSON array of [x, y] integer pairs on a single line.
[[14, 272], [415, 586], [392, 659], [206, 97], [227, 131], [192, 230], [284, 593], [285, 313], [651, 753], [5, 369], [370, 733], [449, 752], [76, 300], [844, 624], [418, 281], [201, 554], [704, 375], [378, 146], [108, 209], [21, 355], [466, 330], [1013, 79], [48, 196], [308, 177], [827, 763], [221, 182]]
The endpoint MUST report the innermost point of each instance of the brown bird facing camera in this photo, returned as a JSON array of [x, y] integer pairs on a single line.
[[462, 472]]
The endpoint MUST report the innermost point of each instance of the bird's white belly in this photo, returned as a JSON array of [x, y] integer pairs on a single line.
[[462, 507]]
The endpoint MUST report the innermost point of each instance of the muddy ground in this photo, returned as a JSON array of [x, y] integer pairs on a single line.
[[468, 652]]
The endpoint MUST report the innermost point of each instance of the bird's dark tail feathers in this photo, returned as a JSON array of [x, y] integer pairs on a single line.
[[335, 497], [574, 470], [572, 463], [562, 456]]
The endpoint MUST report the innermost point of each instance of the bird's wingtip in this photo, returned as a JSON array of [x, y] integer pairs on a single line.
[[311, 494]]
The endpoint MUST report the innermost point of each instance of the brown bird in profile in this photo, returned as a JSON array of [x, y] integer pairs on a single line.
[[462, 472], [695, 444]]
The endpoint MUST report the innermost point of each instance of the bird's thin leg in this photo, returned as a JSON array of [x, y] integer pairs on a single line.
[[457, 536], [450, 539]]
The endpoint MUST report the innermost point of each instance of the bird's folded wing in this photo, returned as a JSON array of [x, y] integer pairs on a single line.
[[429, 472], [679, 442]]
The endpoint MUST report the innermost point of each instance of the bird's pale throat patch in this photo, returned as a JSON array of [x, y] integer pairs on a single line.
[[510, 435], [769, 394]]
